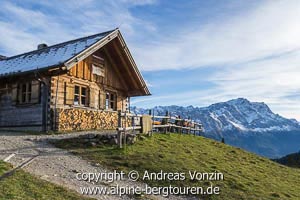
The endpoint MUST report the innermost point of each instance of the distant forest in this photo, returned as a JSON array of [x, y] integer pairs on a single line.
[[291, 160]]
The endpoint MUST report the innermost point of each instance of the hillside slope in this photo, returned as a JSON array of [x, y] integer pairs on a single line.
[[246, 175], [249, 125], [22, 185]]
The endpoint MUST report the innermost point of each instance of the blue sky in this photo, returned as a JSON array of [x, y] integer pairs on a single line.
[[190, 52]]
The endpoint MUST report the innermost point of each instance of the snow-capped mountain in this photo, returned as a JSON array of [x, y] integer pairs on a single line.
[[238, 120], [234, 115]]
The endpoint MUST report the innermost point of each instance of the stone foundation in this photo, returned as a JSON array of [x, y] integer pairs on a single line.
[[68, 119], [108, 139]]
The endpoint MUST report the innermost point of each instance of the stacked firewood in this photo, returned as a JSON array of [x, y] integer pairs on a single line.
[[84, 119]]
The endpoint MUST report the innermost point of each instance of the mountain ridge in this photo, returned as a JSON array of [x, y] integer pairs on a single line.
[[249, 125], [234, 115]]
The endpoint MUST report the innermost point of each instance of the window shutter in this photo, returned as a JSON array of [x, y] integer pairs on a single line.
[[14, 94], [92, 97], [35, 91], [102, 98], [119, 103], [87, 97], [69, 98]]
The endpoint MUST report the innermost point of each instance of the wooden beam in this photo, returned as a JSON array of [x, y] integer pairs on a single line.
[[120, 54], [107, 54], [132, 62], [89, 51]]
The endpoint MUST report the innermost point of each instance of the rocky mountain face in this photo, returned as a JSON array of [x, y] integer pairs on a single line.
[[249, 125]]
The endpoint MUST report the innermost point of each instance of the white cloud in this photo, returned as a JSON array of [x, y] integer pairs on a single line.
[[270, 28], [258, 54], [24, 28], [238, 44], [274, 81]]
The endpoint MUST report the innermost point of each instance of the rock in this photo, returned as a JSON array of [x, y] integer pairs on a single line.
[[105, 141], [142, 137], [100, 136], [90, 136], [93, 144], [44, 177], [97, 164], [75, 171], [94, 140], [30, 139], [130, 139], [113, 141]]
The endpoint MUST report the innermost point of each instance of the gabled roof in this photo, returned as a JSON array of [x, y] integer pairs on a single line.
[[69, 53], [48, 57]]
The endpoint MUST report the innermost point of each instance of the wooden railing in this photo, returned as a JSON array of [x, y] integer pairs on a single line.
[[175, 124], [140, 124]]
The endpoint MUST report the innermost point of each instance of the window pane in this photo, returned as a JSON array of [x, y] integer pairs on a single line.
[[23, 96], [106, 104], [112, 105], [110, 101], [29, 87], [83, 91], [76, 100], [77, 90], [83, 100], [112, 97], [23, 88], [23, 92]]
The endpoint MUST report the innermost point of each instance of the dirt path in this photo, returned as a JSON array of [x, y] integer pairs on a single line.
[[53, 164]]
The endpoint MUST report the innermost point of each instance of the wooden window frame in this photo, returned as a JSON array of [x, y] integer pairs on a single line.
[[25, 96], [110, 103], [80, 95]]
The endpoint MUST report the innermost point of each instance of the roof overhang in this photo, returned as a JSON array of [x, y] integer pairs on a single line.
[[90, 50], [116, 34]]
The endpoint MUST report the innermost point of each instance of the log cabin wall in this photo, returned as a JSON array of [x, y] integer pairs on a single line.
[[82, 100], [21, 104], [59, 96]]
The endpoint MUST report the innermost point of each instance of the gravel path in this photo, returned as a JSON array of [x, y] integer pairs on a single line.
[[53, 164]]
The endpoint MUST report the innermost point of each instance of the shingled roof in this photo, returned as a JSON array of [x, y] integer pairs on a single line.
[[68, 54], [48, 57]]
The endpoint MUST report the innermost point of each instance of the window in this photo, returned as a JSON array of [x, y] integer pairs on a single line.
[[98, 68], [3, 89], [111, 101], [25, 91], [80, 95]]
